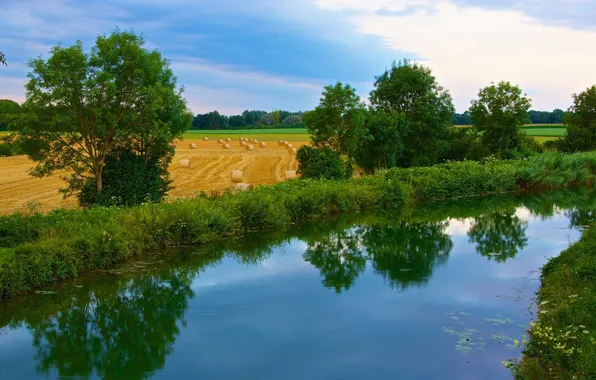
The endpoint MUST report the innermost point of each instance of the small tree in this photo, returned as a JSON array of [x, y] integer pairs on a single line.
[[581, 123], [337, 121], [382, 144], [81, 107], [498, 113], [9, 110], [412, 90]]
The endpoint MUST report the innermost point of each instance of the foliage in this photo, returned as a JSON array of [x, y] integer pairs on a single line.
[[9, 110], [465, 144], [337, 121], [412, 90], [145, 181], [248, 120], [498, 113], [581, 123], [545, 117], [10, 145], [562, 341], [322, 163], [41, 249], [461, 119], [382, 146], [3, 59], [81, 107]]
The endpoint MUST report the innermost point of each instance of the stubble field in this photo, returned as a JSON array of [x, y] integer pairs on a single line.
[[210, 171]]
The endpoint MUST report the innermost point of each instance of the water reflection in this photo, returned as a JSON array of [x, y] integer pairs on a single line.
[[499, 235], [123, 324]]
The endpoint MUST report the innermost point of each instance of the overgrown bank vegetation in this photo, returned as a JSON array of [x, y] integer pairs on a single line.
[[36, 250], [562, 341]]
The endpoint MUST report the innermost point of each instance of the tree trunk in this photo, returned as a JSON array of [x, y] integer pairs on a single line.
[[98, 182]]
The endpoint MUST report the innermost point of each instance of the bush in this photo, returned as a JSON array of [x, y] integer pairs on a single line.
[[127, 181], [322, 163]]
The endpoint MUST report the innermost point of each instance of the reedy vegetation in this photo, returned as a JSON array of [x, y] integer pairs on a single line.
[[36, 250]]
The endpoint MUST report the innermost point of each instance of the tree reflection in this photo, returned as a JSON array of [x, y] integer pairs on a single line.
[[406, 254], [498, 235], [124, 328], [339, 257]]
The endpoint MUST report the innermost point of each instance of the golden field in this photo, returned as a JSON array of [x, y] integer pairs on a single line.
[[210, 170]]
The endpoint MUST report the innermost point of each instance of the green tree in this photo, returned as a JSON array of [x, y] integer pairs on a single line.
[[337, 121], [236, 121], [498, 113], [581, 123], [319, 163], [81, 106], [9, 110], [382, 144], [276, 117], [412, 90]]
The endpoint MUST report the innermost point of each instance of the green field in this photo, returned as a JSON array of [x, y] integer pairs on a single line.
[[289, 134], [545, 130]]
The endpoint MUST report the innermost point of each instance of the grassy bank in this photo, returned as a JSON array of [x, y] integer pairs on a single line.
[[562, 342], [36, 250]]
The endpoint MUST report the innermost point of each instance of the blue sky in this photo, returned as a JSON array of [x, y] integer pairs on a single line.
[[232, 55]]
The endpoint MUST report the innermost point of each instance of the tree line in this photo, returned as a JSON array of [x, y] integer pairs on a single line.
[[536, 117], [248, 120]]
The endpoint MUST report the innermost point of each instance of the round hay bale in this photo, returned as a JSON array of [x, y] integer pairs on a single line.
[[255, 141], [285, 143], [292, 150], [236, 176], [281, 142], [242, 143], [226, 146], [250, 147], [220, 141], [244, 187], [290, 146], [205, 138], [262, 144], [185, 163], [241, 139], [229, 139], [290, 174], [192, 146]]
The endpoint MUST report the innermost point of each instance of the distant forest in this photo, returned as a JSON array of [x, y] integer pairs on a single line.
[[285, 119]]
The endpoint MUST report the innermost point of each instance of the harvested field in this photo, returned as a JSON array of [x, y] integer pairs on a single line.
[[210, 171]]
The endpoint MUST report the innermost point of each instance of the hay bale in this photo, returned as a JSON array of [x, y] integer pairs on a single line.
[[250, 147], [285, 143], [281, 142], [229, 139], [292, 150], [242, 143], [236, 176], [226, 146], [290, 146], [290, 174], [192, 146], [244, 187], [220, 141], [185, 163], [241, 139], [262, 144], [205, 138], [255, 141]]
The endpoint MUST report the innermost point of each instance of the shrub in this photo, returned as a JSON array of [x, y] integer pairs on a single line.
[[127, 181], [322, 163]]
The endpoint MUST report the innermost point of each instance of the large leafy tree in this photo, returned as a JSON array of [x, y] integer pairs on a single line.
[[81, 107], [337, 122], [411, 89], [498, 113], [581, 122]]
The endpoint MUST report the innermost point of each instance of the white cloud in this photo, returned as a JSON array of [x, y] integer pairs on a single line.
[[468, 47]]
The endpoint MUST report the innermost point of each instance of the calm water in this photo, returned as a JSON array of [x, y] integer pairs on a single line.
[[439, 292]]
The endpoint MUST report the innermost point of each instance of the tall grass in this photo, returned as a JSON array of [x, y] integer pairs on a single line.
[[40, 249]]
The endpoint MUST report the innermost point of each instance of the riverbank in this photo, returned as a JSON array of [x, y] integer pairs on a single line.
[[562, 341], [36, 250]]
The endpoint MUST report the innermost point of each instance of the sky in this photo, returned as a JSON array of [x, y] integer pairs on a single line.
[[232, 55]]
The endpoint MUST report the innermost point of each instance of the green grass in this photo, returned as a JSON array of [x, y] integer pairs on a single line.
[[557, 131], [562, 342], [42, 249], [289, 134]]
